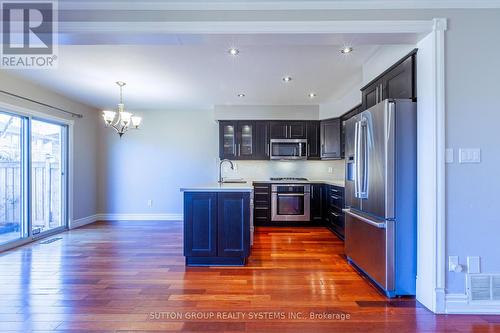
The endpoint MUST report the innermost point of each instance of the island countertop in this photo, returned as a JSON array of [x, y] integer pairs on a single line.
[[218, 187]]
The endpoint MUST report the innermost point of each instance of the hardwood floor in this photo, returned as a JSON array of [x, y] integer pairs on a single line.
[[130, 277]]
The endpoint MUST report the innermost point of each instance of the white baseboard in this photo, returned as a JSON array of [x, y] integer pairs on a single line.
[[460, 304], [83, 221], [140, 217], [124, 217]]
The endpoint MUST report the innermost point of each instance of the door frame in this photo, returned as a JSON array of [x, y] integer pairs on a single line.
[[69, 123]]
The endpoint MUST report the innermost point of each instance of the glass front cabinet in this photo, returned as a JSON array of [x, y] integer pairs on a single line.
[[237, 140]]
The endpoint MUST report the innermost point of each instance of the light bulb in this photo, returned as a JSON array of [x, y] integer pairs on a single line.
[[125, 117], [136, 121], [108, 116]]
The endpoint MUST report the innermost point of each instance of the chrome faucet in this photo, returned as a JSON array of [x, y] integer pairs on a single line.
[[220, 168]]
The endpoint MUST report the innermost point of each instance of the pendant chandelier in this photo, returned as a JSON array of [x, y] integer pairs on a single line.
[[122, 121]]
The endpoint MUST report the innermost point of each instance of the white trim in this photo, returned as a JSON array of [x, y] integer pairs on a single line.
[[249, 27], [139, 217], [73, 224], [440, 26], [277, 5], [459, 304]]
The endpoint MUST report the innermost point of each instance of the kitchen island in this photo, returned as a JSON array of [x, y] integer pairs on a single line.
[[218, 224]]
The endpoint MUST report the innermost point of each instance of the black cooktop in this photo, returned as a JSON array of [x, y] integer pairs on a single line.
[[280, 179]]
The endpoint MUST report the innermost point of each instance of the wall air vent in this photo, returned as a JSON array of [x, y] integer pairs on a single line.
[[483, 287]]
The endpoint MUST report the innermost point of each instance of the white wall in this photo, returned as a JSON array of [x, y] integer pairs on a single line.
[[175, 149], [84, 137], [267, 112]]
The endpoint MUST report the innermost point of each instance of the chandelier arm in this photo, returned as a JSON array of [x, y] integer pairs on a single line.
[[118, 119]]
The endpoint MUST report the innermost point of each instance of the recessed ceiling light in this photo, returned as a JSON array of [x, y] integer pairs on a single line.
[[233, 51], [346, 50], [312, 95], [241, 95], [287, 78]]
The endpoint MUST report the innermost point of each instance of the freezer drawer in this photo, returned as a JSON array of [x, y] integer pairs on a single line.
[[370, 248]]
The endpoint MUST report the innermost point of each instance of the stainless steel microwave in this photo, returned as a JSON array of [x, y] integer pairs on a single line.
[[288, 149]]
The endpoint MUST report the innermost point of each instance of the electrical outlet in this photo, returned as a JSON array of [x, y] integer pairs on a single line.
[[330, 170], [150, 203], [473, 265], [469, 155]]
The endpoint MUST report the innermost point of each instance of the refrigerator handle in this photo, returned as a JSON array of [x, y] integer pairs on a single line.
[[356, 159], [364, 144], [380, 225]]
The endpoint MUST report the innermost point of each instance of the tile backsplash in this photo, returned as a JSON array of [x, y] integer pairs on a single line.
[[263, 170]]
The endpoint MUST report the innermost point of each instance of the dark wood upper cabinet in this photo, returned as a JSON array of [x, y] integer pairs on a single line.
[[331, 139], [297, 130], [262, 139], [313, 140], [399, 81], [245, 140], [228, 139], [278, 130], [288, 129], [371, 95]]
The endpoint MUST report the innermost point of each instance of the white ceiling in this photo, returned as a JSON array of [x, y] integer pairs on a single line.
[[192, 71]]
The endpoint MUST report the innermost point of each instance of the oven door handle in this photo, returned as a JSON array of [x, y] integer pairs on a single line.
[[290, 194]]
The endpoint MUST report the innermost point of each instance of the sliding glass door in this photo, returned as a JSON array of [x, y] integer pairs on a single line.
[[48, 164], [12, 178], [33, 178]]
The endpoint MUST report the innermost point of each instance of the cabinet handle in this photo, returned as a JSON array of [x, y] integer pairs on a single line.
[[334, 214], [234, 149], [268, 150], [308, 150], [377, 94], [239, 149], [312, 191]]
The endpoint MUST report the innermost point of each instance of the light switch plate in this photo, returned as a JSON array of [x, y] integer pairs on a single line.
[[452, 262], [469, 155], [473, 265], [449, 155]]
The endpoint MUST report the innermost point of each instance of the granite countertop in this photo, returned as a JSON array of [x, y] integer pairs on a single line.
[[217, 187]]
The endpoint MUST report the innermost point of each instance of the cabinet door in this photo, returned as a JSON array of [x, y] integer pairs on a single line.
[[297, 130], [278, 130], [330, 139], [262, 140], [398, 83], [313, 145], [245, 143], [370, 95], [200, 224], [233, 224], [316, 202], [227, 139]]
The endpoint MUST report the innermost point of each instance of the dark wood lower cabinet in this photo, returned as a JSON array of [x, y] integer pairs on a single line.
[[334, 216], [317, 194], [262, 203], [216, 228]]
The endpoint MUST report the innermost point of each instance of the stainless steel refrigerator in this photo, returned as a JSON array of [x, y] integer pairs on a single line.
[[381, 194]]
